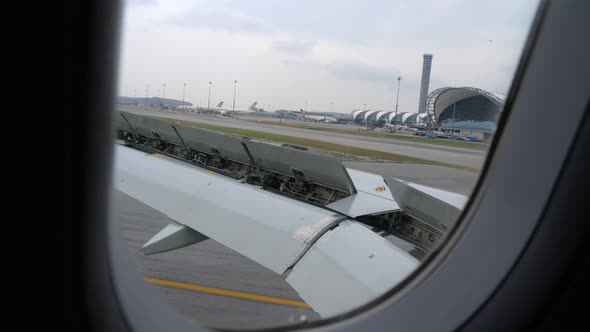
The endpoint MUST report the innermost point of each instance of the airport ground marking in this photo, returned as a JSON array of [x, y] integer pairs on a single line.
[[228, 293]]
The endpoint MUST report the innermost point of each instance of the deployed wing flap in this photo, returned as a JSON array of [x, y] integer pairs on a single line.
[[437, 208], [149, 127], [372, 196], [304, 176], [347, 267], [173, 236], [318, 169], [212, 142], [362, 204]]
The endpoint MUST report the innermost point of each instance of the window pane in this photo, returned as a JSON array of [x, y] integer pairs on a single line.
[[286, 161]]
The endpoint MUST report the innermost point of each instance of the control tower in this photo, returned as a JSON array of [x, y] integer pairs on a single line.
[[426, 66]]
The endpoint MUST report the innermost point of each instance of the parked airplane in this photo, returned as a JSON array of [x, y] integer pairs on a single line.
[[213, 109], [317, 118], [391, 127], [219, 109], [250, 109]]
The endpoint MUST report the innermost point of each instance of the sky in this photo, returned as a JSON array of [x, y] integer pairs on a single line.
[[335, 55]]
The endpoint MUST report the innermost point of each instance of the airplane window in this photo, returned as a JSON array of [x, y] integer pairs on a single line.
[[283, 162]]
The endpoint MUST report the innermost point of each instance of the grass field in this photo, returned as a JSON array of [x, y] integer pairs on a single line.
[[441, 142], [318, 144]]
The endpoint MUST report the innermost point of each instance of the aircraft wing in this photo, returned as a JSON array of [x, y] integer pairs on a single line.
[[341, 237]]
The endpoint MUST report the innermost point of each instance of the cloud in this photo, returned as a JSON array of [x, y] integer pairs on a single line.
[[296, 47], [361, 72], [347, 52], [348, 70], [220, 20], [140, 2]]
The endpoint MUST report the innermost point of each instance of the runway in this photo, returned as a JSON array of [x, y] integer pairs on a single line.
[[450, 155]]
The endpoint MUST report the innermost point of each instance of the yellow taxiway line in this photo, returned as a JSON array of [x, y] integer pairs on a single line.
[[223, 292]]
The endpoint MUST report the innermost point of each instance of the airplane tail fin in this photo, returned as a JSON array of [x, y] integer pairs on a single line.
[[253, 106], [220, 104], [302, 112]]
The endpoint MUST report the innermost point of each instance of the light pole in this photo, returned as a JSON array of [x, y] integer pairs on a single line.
[[233, 107], [396, 101], [159, 97], [163, 94], [183, 90], [209, 98], [147, 92], [453, 131]]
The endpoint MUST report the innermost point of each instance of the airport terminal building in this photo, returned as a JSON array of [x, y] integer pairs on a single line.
[[450, 108], [464, 108]]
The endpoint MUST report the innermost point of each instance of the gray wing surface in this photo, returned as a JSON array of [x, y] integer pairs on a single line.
[[324, 251]]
